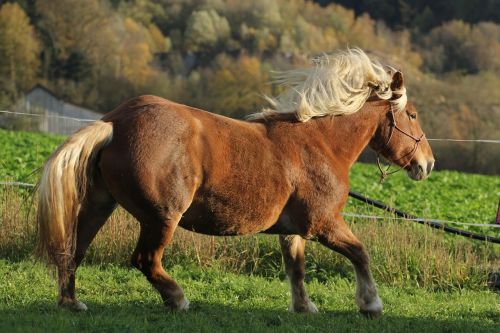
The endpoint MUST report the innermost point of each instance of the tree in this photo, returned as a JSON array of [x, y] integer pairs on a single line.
[[19, 49], [160, 43], [141, 11], [89, 45], [205, 30], [72, 27], [135, 54], [235, 88], [458, 46]]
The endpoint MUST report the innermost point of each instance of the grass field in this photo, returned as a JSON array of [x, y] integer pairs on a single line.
[[120, 300], [429, 281]]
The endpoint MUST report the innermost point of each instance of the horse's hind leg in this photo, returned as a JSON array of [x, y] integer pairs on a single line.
[[338, 237], [96, 209], [154, 236], [292, 248]]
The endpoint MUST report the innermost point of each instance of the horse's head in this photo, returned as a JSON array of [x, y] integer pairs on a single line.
[[400, 139]]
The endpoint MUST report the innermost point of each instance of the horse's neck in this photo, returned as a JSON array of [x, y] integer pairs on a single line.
[[347, 136]]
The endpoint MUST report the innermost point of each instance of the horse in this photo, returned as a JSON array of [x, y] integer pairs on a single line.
[[283, 171]]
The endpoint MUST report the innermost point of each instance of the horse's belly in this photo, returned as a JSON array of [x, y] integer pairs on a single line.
[[224, 220]]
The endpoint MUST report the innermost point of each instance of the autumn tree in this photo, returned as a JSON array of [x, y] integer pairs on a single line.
[[236, 86], [141, 11], [19, 49], [206, 29], [134, 54], [88, 45], [458, 46]]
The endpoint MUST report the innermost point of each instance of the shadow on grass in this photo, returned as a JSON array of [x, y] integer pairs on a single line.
[[209, 317]]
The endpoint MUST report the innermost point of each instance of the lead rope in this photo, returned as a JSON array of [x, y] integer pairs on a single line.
[[386, 173]]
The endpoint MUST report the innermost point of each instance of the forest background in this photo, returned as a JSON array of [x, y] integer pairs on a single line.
[[219, 55]]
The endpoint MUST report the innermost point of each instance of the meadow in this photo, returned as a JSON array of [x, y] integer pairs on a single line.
[[429, 280], [121, 300]]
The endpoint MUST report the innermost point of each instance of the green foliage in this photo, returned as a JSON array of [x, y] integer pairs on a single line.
[[447, 195], [23, 153], [142, 11], [206, 30]]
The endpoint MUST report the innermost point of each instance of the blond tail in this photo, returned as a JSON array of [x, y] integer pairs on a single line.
[[61, 190]]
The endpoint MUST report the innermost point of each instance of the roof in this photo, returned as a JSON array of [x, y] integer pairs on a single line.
[[39, 86]]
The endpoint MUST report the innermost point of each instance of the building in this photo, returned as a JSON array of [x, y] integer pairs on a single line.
[[52, 114]]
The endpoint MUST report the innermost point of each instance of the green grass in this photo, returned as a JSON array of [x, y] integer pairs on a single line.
[[121, 300], [22, 153], [446, 195]]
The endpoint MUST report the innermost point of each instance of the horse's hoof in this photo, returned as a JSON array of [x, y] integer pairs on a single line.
[[372, 310], [306, 307], [184, 305], [371, 314], [74, 305]]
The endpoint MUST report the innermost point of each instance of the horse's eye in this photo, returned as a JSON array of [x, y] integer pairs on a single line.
[[413, 116]]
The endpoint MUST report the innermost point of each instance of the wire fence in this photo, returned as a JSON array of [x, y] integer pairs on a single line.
[[465, 140], [46, 116], [64, 121]]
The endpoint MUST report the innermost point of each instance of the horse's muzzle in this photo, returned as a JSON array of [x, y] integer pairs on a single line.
[[420, 170]]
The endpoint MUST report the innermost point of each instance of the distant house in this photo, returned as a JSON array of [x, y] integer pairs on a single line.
[[55, 115]]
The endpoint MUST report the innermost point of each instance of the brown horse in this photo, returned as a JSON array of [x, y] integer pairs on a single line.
[[285, 172]]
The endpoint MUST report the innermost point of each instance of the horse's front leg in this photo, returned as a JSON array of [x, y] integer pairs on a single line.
[[337, 236], [292, 248]]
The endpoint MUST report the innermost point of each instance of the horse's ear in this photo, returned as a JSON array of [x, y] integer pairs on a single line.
[[397, 81]]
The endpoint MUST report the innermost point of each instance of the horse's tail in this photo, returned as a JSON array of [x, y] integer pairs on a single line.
[[61, 191]]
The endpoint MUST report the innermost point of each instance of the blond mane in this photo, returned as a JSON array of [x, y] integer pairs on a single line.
[[337, 84]]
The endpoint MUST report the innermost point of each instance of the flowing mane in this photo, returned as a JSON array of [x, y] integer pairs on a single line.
[[337, 84]]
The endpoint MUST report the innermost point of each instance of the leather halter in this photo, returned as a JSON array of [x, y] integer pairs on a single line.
[[394, 126]]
